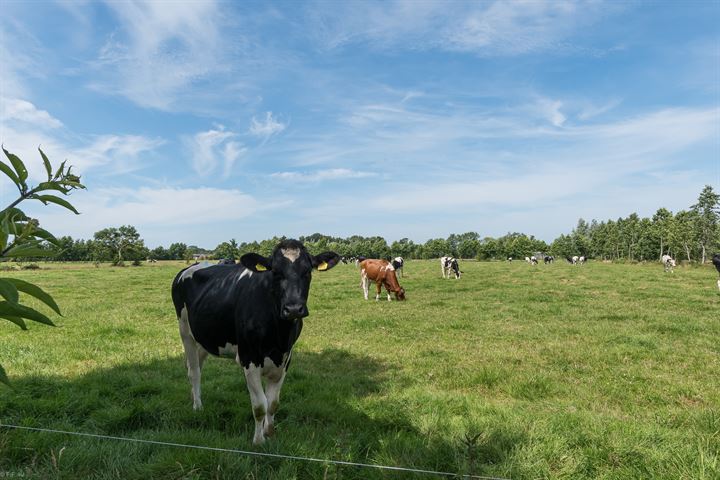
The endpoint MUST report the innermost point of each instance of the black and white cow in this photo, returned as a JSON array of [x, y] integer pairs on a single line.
[[448, 265], [581, 260], [398, 263], [716, 262], [533, 260], [668, 263], [251, 312], [548, 259]]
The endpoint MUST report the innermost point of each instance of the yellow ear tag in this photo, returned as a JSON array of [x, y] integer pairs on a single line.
[[322, 266], [260, 268]]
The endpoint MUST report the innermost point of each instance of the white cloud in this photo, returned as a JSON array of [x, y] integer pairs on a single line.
[[482, 28], [15, 109], [151, 210], [160, 51], [214, 147], [322, 175], [266, 128]]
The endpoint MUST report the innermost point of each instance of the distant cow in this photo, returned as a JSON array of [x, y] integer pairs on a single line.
[[383, 274], [509, 259], [398, 263], [581, 260], [527, 259], [716, 262], [448, 265], [533, 260], [251, 312], [669, 263], [548, 259]]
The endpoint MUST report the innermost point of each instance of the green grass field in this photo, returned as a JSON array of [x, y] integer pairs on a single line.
[[598, 371]]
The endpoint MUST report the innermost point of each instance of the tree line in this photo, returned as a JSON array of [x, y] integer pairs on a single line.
[[692, 235]]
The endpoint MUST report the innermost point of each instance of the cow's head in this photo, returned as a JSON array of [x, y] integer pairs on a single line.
[[400, 294], [290, 266]]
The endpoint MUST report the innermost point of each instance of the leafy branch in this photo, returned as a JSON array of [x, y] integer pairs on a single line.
[[22, 237]]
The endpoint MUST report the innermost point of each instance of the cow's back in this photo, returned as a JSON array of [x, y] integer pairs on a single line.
[[209, 295]]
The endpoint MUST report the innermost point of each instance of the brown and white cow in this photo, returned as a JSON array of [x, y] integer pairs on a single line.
[[382, 273]]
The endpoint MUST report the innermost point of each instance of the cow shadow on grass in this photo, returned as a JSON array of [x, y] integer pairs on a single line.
[[334, 405]]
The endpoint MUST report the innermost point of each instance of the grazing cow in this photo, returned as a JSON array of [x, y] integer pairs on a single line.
[[449, 264], [251, 312], [533, 260], [716, 262], [226, 261], [548, 259], [398, 263], [382, 273], [581, 260], [669, 263], [509, 259], [527, 259]]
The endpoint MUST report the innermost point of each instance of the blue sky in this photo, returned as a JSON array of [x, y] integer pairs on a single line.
[[204, 121]]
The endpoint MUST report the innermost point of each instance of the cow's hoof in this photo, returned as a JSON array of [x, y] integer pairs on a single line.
[[269, 430]]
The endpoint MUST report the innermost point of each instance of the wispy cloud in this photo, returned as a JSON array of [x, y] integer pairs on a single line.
[[160, 51], [266, 128], [322, 175], [482, 28], [212, 148]]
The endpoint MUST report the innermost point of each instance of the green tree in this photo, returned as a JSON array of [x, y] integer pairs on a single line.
[[120, 244], [707, 217], [227, 250], [22, 237], [177, 251], [662, 225]]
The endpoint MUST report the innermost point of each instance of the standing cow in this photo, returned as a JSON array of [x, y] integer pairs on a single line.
[[669, 263], [382, 273], [398, 263], [448, 265], [716, 262], [251, 312]]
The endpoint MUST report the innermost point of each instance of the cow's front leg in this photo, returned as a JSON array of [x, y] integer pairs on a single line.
[[378, 285], [272, 390], [253, 378]]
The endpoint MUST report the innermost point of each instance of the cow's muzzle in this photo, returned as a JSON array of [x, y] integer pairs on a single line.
[[293, 311]]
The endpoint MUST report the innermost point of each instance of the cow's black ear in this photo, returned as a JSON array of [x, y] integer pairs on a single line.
[[255, 262], [325, 261]]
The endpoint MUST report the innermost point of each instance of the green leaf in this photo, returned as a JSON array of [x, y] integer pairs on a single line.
[[3, 239], [48, 168], [52, 185], [8, 171], [26, 250], [35, 291], [8, 290], [60, 169], [56, 200], [3, 376], [8, 310], [45, 235], [19, 166], [16, 320]]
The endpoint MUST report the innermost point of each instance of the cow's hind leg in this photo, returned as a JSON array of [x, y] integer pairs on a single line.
[[194, 357], [253, 378]]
